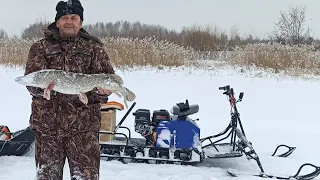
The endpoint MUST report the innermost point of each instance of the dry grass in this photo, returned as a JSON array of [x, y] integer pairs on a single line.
[[127, 53], [14, 52], [295, 60], [123, 52]]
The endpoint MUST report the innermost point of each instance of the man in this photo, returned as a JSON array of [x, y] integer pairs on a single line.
[[64, 126]]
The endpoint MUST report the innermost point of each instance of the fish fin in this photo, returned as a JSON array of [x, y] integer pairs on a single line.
[[130, 96], [118, 94], [116, 78], [126, 103], [83, 98], [46, 93]]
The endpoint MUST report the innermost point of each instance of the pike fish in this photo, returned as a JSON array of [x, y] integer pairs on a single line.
[[75, 83]]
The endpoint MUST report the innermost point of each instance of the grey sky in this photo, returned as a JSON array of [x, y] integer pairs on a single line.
[[251, 16]]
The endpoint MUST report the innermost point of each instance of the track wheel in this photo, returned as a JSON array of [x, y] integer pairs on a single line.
[[127, 160], [104, 151], [128, 152], [164, 161], [139, 155], [152, 154], [104, 158], [117, 156], [151, 161]]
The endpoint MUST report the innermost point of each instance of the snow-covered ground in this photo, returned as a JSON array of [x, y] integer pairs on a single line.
[[274, 111]]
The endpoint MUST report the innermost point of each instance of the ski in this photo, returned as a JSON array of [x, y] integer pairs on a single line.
[[309, 176], [285, 154]]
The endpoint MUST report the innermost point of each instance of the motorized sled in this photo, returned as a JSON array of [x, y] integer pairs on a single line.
[[174, 137]]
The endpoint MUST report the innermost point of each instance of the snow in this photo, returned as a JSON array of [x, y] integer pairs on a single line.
[[275, 110], [164, 135]]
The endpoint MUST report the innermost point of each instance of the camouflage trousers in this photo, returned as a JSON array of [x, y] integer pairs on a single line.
[[81, 150]]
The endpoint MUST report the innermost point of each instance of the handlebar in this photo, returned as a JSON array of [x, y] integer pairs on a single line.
[[230, 93], [225, 88]]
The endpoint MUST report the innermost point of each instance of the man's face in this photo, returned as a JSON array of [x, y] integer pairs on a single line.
[[69, 25]]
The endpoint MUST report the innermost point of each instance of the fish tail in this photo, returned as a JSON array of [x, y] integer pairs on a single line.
[[130, 96]]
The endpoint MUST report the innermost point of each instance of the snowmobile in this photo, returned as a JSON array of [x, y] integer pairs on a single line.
[[19, 143], [174, 138]]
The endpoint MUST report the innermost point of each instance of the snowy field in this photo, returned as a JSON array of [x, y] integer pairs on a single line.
[[274, 111]]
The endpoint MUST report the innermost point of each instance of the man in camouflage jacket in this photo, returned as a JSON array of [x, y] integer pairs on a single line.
[[64, 126]]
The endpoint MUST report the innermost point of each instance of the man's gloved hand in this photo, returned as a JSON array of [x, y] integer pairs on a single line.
[[47, 91], [104, 91]]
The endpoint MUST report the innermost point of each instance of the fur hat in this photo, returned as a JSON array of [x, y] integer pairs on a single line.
[[63, 8]]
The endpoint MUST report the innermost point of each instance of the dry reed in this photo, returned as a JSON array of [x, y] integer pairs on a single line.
[[302, 59], [123, 52]]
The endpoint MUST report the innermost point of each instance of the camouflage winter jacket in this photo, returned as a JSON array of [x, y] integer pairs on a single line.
[[64, 114]]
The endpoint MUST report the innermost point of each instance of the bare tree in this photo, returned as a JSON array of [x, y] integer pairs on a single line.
[[290, 27], [3, 34], [235, 39], [35, 30]]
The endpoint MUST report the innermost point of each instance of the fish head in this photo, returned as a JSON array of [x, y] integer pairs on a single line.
[[27, 80], [35, 79]]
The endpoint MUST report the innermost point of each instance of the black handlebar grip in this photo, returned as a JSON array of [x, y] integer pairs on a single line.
[[224, 87]]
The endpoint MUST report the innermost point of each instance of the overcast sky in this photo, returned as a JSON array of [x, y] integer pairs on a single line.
[[255, 17]]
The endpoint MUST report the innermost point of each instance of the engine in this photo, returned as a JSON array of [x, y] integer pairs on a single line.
[[163, 130], [146, 125], [142, 123]]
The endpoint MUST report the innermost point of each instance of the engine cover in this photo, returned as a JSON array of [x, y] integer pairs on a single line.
[[142, 116], [160, 115], [178, 134]]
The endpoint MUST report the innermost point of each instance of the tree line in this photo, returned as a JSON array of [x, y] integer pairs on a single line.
[[290, 29]]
